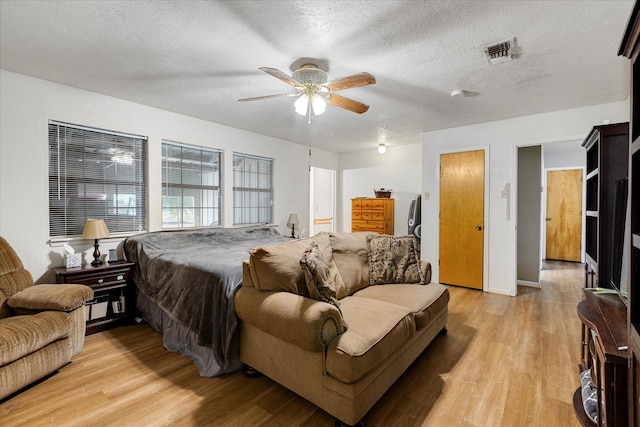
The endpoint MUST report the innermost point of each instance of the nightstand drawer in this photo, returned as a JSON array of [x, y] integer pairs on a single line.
[[101, 279]]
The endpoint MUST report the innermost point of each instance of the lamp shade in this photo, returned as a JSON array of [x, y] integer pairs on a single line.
[[301, 105], [293, 220], [319, 105], [95, 229]]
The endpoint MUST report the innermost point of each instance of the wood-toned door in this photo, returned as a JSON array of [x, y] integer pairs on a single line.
[[564, 215], [462, 218]]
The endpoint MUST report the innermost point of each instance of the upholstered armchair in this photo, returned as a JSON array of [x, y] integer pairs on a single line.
[[41, 326]]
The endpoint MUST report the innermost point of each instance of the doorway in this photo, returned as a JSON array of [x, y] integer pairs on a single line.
[[462, 218], [563, 219], [323, 196], [528, 215]]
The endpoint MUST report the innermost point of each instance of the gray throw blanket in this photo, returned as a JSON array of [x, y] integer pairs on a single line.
[[193, 276]]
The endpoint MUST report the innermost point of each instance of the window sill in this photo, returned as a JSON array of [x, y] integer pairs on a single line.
[[58, 242]]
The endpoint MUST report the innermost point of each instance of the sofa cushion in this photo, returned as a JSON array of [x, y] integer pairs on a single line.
[[426, 302], [277, 267], [320, 283], [22, 335], [393, 259], [351, 256], [376, 330]]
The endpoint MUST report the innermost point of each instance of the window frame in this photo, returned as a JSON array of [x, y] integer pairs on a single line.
[[261, 212], [217, 205], [74, 153]]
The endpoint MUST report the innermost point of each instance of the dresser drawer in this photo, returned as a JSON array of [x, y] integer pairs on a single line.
[[377, 204], [356, 214], [376, 226], [377, 215]]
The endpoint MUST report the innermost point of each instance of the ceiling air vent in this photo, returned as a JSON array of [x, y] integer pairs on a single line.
[[503, 51]]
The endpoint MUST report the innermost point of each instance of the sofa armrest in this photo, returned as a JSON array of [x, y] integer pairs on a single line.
[[305, 322], [425, 266], [50, 297]]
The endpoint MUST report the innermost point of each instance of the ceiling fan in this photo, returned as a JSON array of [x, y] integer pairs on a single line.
[[314, 92]]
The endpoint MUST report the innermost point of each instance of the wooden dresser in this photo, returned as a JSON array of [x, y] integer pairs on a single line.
[[370, 214]]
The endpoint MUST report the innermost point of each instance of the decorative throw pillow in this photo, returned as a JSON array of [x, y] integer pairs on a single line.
[[393, 259], [589, 396], [320, 283]]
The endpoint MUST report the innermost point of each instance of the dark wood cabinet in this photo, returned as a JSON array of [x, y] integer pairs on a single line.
[[631, 48], [607, 162], [110, 282], [605, 354]]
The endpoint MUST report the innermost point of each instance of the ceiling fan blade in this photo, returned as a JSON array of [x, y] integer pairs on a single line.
[[280, 95], [280, 75], [347, 104], [354, 80]]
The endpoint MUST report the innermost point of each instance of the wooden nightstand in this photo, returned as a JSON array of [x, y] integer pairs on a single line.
[[109, 282]]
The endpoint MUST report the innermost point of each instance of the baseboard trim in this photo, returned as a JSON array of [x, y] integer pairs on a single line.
[[529, 284]]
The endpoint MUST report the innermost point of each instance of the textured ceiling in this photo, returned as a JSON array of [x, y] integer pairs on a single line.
[[198, 57]]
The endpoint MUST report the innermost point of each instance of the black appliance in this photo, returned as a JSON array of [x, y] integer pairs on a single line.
[[415, 216]]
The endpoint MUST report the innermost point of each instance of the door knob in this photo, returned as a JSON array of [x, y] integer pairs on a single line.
[[547, 219], [478, 227]]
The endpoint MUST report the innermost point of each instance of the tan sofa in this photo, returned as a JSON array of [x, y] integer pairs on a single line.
[[41, 326], [301, 342]]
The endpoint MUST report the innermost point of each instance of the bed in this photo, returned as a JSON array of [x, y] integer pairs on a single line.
[[185, 284]]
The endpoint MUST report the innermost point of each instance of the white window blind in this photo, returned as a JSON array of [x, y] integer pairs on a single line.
[[252, 189], [190, 186], [95, 173]]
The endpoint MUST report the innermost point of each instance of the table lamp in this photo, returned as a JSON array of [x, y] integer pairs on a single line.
[[292, 222], [95, 229]]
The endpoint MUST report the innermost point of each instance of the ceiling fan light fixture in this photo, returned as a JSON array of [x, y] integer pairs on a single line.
[[301, 105], [382, 148], [319, 105]]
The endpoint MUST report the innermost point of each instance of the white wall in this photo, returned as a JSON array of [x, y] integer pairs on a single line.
[[502, 139], [26, 106], [565, 159], [399, 169]]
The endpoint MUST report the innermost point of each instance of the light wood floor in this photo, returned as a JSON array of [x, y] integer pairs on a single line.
[[506, 361]]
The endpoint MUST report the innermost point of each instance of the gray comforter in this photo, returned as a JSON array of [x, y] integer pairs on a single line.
[[193, 276]]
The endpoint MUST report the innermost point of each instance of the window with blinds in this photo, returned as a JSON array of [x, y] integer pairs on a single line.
[[95, 173], [252, 189], [190, 186]]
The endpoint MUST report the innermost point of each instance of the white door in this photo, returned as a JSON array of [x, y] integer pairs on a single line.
[[323, 196]]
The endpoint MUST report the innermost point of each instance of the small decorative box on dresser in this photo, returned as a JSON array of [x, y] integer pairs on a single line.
[[113, 293], [371, 214]]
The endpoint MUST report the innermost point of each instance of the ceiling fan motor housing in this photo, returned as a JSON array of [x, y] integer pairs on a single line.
[[310, 73]]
